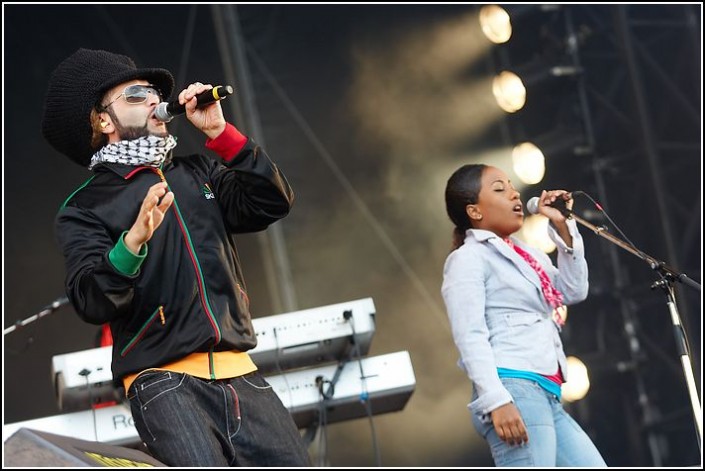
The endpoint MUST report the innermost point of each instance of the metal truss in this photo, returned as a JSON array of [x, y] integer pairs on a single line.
[[635, 106]]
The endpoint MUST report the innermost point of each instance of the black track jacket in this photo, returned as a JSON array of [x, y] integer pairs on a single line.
[[189, 294]]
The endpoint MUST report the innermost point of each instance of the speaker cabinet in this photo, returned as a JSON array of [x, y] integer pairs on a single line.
[[28, 447]]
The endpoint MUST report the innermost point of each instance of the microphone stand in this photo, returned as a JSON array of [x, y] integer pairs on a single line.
[[48, 309], [668, 277]]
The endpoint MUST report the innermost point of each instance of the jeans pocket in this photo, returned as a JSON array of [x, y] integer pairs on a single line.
[[522, 388], [256, 382], [154, 384], [151, 404], [482, 423]]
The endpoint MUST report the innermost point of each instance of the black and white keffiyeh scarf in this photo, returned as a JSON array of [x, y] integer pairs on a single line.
[[149, 151]]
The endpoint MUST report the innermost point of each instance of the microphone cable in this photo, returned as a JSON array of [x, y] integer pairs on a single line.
[[643, 256], [599, 207]]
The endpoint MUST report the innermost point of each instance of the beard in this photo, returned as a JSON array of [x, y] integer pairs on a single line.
[[129, 133]]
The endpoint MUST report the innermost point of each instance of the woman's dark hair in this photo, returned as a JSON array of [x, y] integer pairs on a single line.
[[463, 188]]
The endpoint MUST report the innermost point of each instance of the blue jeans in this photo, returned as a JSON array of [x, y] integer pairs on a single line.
[[187, 421], [555, 439]]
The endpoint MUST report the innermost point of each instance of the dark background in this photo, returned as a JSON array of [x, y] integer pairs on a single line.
[[368, 109]]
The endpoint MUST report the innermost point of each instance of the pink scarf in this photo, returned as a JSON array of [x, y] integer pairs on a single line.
[[552, 295]]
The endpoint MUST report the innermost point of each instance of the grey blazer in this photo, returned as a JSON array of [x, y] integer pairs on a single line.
[[498, 314]]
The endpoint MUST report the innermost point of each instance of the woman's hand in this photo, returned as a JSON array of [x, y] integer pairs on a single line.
[[548, 198], [509, 425]]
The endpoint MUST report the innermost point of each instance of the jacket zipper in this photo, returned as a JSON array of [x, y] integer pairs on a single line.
[[157, 314], [194, 260]]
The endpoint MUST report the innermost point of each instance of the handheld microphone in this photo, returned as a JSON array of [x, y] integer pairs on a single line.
[[532, 206], [165, 112]]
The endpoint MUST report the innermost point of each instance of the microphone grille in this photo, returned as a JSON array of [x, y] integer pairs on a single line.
[[532, 206], [161, 113], [224, 91]]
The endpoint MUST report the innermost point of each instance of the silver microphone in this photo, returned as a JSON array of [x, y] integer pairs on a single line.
[[532, 206]]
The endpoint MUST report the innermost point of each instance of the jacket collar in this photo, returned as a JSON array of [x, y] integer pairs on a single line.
[[128, 171], [481, 235]]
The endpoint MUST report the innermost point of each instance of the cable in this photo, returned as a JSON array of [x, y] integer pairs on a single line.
[[278, 365], [599, 208], [655, 264], [671, 291], [85, 372], [326, 395], [364, 395], [323, 418]]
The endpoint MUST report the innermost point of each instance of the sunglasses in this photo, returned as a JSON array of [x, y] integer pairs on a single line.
[[136, 94]]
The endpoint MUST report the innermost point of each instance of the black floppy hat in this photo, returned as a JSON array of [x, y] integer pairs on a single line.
[[76, 86]]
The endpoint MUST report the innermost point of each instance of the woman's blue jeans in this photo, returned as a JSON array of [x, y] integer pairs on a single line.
[[187, 421], [555, 439]]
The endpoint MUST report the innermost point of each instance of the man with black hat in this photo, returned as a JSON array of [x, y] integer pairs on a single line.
[[149, 248]]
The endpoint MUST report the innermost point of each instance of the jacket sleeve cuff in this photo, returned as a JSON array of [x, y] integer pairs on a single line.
[[486, 403], [124, 260], [228, 144], [577, 248]]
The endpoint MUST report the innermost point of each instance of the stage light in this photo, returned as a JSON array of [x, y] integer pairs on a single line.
[[495, 23], [578, 383], [509, 91], [531, 156], [509, 87], [528, 162]]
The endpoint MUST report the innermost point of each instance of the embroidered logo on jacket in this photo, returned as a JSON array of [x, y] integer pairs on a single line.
[[207, 192]]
